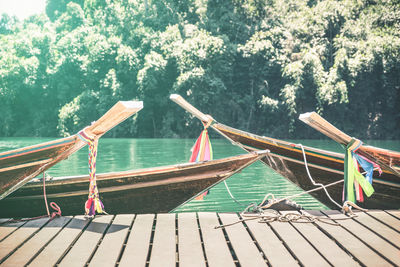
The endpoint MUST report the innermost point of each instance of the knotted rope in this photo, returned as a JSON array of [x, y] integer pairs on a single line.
[[93, 204], [53, 205]]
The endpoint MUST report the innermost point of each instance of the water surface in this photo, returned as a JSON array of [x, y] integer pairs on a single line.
[[248, 186]]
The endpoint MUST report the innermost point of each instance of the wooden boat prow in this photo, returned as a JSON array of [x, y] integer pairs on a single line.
[[19, 166], [150, 190], [387, 159], [326, 167]]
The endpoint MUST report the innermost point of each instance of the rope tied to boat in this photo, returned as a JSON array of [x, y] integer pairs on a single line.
[[53, 205], [270, 215], [93, 204]]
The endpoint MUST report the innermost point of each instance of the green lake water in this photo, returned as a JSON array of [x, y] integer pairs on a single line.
[[248, 186]]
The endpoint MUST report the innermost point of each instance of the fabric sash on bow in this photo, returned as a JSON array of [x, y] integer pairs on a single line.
[[93, 204], [354, 182], [202, 149]]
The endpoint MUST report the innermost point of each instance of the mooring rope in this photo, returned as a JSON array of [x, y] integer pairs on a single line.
[[269, 216], [312, 180], [53, 205]]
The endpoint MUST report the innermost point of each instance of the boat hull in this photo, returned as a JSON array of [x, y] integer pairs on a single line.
[[151, 190], [325, 167]]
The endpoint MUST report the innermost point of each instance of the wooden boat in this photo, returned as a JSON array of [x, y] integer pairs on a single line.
[[150, 190], [19, 166], [325, 167]]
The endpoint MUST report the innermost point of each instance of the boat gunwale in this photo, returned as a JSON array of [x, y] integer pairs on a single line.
[[34, 148], [144, 171]]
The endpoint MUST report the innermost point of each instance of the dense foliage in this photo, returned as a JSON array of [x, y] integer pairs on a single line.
[[253, 64]]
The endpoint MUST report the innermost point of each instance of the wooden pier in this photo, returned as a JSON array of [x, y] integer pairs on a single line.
[[190, 239]]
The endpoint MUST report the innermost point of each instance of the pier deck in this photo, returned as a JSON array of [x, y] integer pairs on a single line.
[[190, 239]]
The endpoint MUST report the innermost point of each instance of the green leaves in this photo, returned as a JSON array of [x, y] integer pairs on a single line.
[[252, 64]]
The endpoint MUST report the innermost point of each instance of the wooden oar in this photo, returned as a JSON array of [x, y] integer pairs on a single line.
[[384, 158]]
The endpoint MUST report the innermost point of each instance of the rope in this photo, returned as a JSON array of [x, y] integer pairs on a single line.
[[230, 194], [53, 205], [312, 180], [269, 216], [93, 204]]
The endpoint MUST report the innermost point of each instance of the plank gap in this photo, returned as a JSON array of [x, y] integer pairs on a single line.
[[254, 240], [201, 239], [100, 240], [10, 221], [23, 242], [338, 243], [362, 241], [153, 230], [73, 242], [376, 233], [125, 242], [228, 242], [311, 244], [382, 221], [48, 242], [391, 214], [176, 241], [284, 244]]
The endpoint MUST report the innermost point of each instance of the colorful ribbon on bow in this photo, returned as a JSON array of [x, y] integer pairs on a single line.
[[93, 204], [354, 182], [202, 149]]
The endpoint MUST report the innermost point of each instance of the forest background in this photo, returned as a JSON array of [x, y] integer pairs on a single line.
[[252, 64]]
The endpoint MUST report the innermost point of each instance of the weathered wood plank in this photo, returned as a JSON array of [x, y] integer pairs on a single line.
[[395, 213], [190, 251], [28, 250], [244, 247], [386, 218], [58, 246], [304, 252], [376, 242], [215, 246], [87, 242], [110, 248], [352, 244], [163, 252], [19, 236], [273, 248], [326, 246], [137, 246], [376, 226], [8, 228]]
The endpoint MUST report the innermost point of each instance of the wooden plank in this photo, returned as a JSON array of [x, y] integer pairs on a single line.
[[59, 245], [326, 246], [19, 236], [8, 228], [190, 251], [273, 248], [28, 250], [246, 251], [137, 246], [301, 248], [395, 213], [215, 246], [109, 250], [352, 244], [376, 242], [381, 229], [87, 242], [163, 252], [386, 218]]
